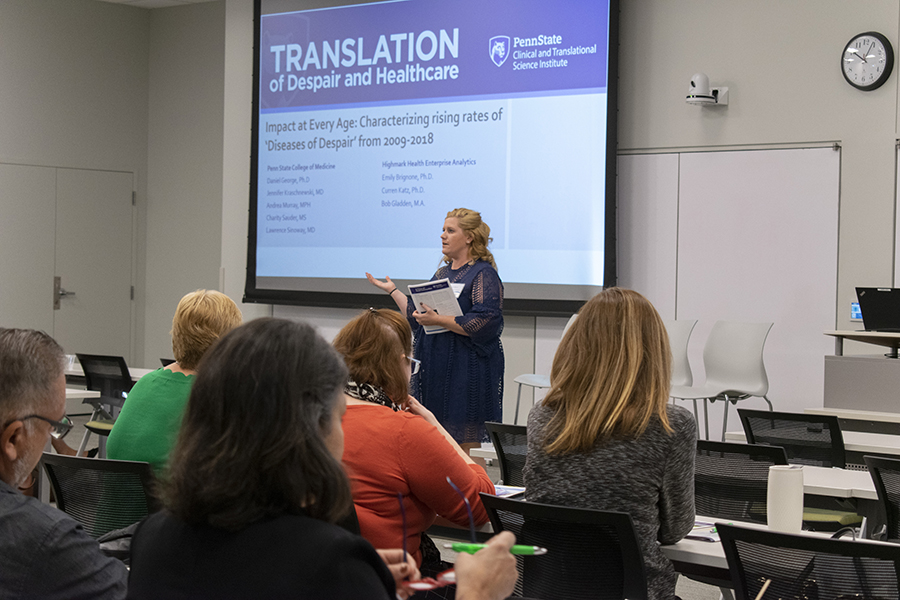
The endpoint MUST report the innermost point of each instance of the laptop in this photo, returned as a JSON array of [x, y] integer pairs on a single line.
[[880, 308]]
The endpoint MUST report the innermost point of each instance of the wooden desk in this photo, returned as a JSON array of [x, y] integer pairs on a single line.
[[77, 394], [707, 559], [697, 558], [879, 338], [856, 444], [817, 481], [861, 442], [869, 421], [136, 372], [838, 483], [74, 400]]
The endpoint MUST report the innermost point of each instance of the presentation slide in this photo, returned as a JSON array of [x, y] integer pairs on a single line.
[[375, 120]]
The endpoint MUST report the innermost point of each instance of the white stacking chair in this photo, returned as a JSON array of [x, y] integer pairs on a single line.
[[679, 335], [535, 380], [733, 359]]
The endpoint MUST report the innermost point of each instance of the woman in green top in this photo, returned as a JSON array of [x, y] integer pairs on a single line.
[[148, 425]]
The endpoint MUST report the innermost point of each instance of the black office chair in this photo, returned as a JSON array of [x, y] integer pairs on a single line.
[[731, 480], [814, 440], [808, 567], [590, 553], [885, 473], [510, 443], [101, 494], [110, 376]]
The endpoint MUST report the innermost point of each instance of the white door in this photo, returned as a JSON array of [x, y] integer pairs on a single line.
[[27, 246], [94, 215]]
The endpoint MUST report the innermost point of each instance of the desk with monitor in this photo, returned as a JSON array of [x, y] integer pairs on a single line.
[[864, 382]]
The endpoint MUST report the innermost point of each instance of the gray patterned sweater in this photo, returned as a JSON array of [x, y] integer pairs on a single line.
[[652, 478]]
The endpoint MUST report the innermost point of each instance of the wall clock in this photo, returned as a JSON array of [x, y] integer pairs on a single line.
[[867, 61]]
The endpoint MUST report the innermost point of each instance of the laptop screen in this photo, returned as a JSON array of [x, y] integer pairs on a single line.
[[880, 308]]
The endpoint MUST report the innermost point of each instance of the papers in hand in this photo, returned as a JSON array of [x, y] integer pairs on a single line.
[[439, 295], [703, 531], [506, 491]]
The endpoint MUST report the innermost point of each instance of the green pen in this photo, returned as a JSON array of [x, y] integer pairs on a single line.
[[517, 549]]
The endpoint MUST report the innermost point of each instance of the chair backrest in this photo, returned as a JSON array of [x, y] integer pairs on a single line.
[[731, 480], [679, 335], [101, 494], [807, 439], [885, 473], [510, 443], [801, 566], [733, 357], [590, 553], [108, 375]]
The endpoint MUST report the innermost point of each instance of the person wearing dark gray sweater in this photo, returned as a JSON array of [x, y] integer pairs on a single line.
[[606, 438]]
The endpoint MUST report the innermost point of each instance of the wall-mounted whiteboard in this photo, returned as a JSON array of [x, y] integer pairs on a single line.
[[743, 236], [897, 225]]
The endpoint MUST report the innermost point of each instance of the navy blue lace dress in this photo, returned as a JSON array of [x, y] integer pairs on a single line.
[[461, 378]]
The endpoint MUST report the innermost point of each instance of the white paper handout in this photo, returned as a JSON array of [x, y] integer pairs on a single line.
[[439, 296]]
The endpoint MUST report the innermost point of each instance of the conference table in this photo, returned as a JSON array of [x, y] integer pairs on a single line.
[[701, 559], [856, 443], [136, 372], [863, 381], [75, 400]]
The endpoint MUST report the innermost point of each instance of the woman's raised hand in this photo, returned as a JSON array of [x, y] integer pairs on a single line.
[[416, 408], [385, 287]]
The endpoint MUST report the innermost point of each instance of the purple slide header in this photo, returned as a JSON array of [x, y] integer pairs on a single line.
[[416, 49]]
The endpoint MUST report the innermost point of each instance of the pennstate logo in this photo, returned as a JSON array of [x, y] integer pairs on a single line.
[[498, 46]]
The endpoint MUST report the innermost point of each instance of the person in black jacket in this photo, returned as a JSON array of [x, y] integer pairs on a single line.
[[255, 486]]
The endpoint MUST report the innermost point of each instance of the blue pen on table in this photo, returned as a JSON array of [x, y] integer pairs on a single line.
[[516, 549]]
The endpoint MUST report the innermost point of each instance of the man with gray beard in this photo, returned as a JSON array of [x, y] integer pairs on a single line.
[[43, 552]]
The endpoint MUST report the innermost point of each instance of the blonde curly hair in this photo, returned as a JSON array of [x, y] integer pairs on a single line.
[[471, 223], [202, 317]]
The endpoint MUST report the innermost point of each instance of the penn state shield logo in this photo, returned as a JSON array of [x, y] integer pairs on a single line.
[[499, 49]]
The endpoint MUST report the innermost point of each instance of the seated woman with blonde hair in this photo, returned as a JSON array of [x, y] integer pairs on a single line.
[[395, 445], [148, 424], [605, 437]]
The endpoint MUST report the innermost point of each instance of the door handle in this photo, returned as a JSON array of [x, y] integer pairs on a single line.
[[59, 292]]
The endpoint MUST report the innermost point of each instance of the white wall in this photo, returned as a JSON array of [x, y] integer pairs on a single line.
[[83, 80], [236, 153], [780, 61], [184, 200], [75, 94]]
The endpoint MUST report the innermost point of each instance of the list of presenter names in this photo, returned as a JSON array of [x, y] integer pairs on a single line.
[[290, 193]]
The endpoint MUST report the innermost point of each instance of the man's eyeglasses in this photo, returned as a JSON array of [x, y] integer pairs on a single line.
[[414, 364], [59, 428]]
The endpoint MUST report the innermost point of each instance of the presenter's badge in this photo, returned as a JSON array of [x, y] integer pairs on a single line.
[[499, 49]]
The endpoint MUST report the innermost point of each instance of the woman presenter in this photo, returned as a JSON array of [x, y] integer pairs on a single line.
[[461, 378]]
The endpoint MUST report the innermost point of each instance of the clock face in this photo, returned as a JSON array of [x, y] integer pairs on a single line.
[[867, 61]]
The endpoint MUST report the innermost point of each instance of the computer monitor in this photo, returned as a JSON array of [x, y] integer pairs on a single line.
[[880, 308]]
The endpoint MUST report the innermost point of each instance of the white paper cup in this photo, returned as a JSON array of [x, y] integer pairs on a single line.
[[784, 498]]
